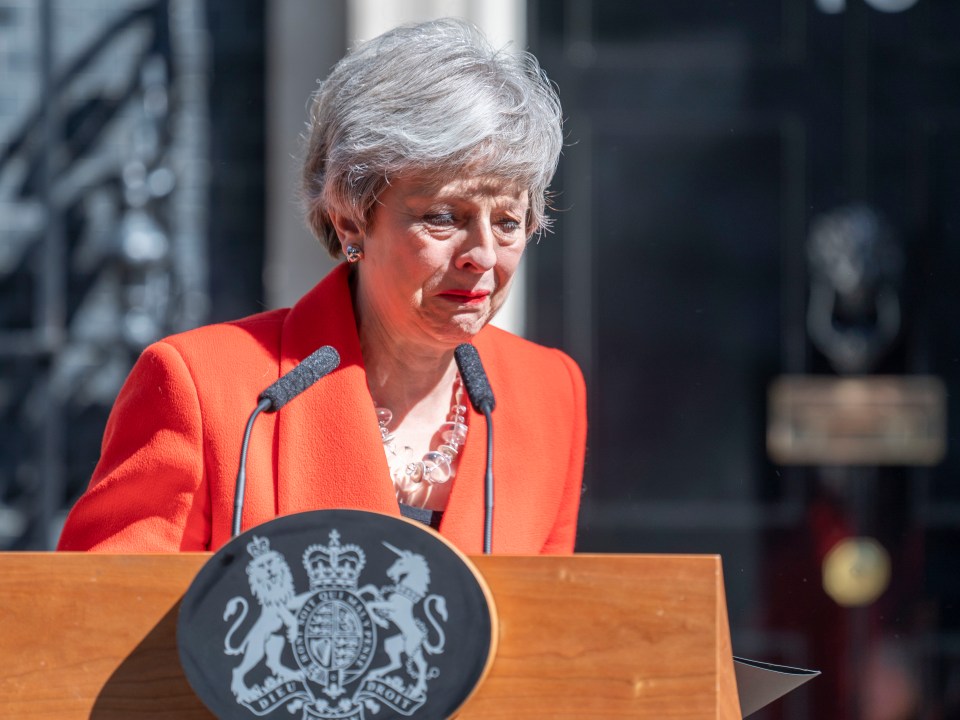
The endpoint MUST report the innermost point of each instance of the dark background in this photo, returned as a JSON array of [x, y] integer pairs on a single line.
[[704, 139]]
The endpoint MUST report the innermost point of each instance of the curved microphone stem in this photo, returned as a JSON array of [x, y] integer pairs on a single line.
[[242, 472], [488, 488]]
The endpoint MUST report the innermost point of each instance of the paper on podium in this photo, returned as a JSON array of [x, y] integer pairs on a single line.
[[760, 683]]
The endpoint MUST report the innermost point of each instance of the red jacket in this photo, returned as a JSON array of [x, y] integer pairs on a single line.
[[165, 480]]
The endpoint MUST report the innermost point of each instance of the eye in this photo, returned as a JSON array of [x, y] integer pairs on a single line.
[[509, 224], [442, 219]]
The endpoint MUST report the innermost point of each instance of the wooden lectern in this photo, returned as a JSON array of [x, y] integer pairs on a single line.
[[584, 637]]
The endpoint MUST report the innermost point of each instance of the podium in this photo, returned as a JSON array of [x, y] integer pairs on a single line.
[[581, 636]]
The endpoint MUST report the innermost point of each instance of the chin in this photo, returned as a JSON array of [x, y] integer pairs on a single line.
[[450, 337], [460, 328], [451, 340]]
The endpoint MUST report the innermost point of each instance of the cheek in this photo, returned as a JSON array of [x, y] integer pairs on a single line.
[[428, 265], [507, 264], [414, 266]]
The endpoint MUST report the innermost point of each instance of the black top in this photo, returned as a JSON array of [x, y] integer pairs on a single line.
[[430, 518]]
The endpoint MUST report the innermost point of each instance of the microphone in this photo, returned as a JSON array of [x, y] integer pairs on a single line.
[[474, 378], [481, 397], [321, 362], [318, 364]]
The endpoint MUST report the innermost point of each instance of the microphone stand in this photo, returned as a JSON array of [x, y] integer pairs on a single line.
[[481, 397], [241, 488], [488, 487], [314, 367]]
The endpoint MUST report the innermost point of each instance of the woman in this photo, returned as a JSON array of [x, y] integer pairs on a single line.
[[427, 163]]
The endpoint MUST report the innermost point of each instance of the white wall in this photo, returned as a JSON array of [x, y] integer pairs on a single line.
[[305, 38]]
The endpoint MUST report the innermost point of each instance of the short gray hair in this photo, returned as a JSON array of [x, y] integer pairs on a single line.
[[430, 98]]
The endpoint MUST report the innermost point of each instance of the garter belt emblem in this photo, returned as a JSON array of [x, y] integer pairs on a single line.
[[311, 653]]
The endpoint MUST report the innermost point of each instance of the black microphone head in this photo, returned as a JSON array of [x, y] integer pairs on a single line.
[[319, 363], [474, 378]]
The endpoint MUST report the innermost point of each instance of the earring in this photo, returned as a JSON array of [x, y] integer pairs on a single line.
[[354, 253]]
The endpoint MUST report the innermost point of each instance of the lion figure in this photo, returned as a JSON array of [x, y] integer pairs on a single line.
[[271, 583]]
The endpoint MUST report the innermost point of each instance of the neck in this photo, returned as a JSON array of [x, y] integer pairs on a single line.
[[404, 376], [402, 381]]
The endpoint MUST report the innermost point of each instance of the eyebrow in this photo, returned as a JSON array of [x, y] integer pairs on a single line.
[[487, 191]]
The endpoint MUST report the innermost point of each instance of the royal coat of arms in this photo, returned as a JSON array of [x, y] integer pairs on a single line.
[[313, 652]]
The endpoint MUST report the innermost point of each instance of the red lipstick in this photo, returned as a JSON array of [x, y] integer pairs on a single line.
[[465, 297]]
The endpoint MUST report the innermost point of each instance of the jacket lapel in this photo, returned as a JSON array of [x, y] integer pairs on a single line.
[[329, 452], [462, 521]]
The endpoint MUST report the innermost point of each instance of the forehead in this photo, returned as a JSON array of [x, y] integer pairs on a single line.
[[413, 187]]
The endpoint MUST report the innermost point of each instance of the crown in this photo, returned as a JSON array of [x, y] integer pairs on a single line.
[[258, 546], [334, 565]]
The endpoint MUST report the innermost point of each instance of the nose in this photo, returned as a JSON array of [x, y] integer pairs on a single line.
[[479, 250]]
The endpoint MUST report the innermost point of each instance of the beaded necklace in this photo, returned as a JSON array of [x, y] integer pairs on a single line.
[[437, 465]]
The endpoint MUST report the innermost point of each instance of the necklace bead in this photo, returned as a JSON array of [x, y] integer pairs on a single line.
[[437, 465]]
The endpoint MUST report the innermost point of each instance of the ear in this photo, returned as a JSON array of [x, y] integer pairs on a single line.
[[347, 229]]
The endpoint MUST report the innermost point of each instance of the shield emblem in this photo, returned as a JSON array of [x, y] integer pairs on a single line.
[[381, 618]]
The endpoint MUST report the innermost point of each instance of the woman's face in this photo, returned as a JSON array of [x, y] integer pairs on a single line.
[[439, 258]]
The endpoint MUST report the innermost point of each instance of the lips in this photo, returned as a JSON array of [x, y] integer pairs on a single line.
[[465, 297]]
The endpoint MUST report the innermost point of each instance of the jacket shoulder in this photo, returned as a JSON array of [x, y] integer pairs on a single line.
[[495, 340], [245, 335], [224, 358], [521, 362]]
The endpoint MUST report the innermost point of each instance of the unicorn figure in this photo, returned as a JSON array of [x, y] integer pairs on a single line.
[[394, 604]]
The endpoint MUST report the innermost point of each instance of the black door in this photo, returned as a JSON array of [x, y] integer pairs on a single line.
[[708, 142]]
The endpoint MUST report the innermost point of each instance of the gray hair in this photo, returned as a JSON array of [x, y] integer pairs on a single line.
[[436, 99]]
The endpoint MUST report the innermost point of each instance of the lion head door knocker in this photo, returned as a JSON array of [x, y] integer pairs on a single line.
[[856, 267]]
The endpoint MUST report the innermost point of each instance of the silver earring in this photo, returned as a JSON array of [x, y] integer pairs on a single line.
[[354, 253]]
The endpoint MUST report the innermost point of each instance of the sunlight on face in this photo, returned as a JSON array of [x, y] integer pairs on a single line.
[[439, 258]]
